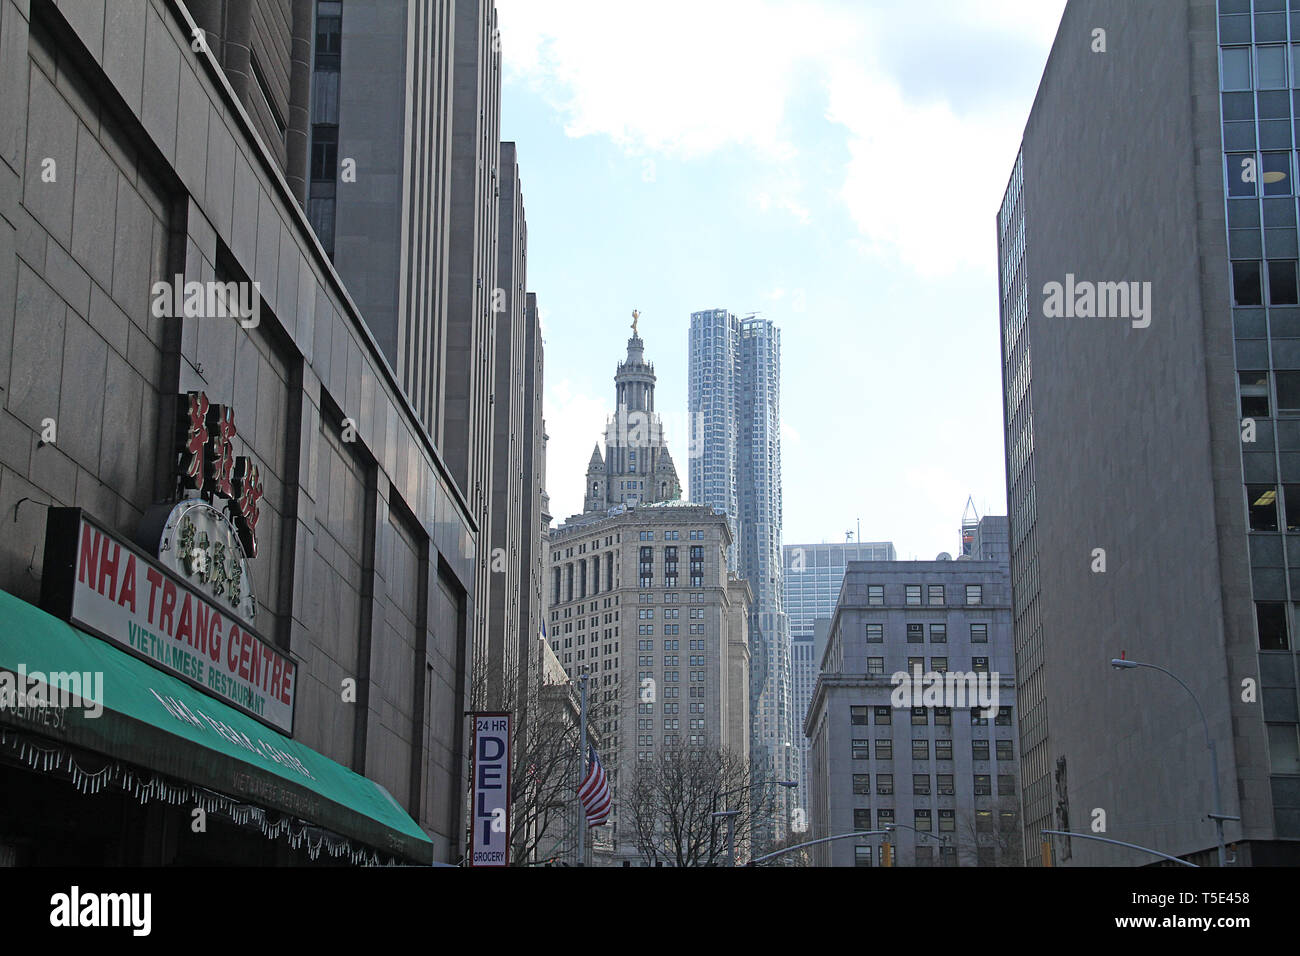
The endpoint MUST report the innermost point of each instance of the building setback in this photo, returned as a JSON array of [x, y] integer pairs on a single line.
[[939, 767], [813, 574], [363, 571], [734, 407], [644, 595], [1151, 427], [662, 567]]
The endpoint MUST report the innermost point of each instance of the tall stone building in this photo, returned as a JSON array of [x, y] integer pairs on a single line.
[[1152, 513], [636, 467], [651, 573]]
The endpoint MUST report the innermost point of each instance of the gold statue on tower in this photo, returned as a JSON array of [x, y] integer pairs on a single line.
[[635, 315]]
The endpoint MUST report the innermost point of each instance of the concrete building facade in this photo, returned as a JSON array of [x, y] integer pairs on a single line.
[[363, 573], [813, 575], [941, 771], [1185, 131]]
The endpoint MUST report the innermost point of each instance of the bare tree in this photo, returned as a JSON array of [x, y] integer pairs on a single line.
[[992, 838], [672, 797], [544, 757]]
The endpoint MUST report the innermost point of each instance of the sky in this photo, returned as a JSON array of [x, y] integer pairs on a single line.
[[834, 165]]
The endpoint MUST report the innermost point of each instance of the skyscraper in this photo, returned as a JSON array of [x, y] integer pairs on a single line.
[[735, 414], [813, 574], [1153, 483]]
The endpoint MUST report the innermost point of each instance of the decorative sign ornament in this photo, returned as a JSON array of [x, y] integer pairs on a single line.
[[208, 466], [199, 543]]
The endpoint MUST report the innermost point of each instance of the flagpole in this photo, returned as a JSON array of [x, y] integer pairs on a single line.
[[582, 767]]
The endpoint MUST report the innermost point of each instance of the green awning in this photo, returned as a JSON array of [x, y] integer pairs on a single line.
[[158, 722]]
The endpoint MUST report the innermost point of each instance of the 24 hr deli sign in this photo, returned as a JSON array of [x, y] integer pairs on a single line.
[[110, 588]]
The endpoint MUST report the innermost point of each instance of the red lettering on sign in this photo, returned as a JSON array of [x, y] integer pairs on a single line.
[[194, 436], [185, 626], [255, 666], [108, 567], [232, 645], [221, 454], [286, 687], [245, 647], [248, 492], [87, 566], [126, 593], [214, 637], [277, 667], [168, 606], [155, 579], [202, 622]]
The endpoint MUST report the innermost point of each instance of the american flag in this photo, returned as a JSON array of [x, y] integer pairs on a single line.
[[593, 792]]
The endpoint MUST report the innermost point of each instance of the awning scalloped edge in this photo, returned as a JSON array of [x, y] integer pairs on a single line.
[[58, 760]]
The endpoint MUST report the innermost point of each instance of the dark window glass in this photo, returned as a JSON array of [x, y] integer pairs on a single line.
[[1274, 105], [1254, 394], [1238, 106], [1263, 507], [1245, 283], [1270, 618], [1245, 213], [324, 152], [1291, 493], [1270, 66], [1288, 391], [1282, 282]]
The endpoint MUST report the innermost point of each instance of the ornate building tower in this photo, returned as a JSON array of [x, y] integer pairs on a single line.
[[636, 467]]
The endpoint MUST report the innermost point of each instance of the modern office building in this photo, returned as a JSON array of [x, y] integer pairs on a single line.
[[1151, 348], [735, 409], [991, 540], [929, 763], [264, 471], [813, 574]]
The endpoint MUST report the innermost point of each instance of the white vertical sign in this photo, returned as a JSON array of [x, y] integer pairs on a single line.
[[491, 832]]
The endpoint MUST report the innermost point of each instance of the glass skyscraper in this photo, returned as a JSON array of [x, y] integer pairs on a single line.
[[735, 465]]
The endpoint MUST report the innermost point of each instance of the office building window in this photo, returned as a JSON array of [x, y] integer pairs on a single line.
[[979, 633], [947, 821], [1006, 784], [858, 715], [982, 785], [974, 594], [862, 783], [883, 715], [922, 820], [944, 784], [875, 595], [979, 749], [862, 856], [921, 784], [875, 666], [920, 749], [943, 749], [935, 593], [884, 783], [939, 633], [861, 749], [915, 633], [884, 748], [861, 818], [875, 633], [1004, 750], [914, 594]]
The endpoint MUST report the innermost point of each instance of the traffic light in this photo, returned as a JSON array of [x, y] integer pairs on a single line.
[[886, 854]]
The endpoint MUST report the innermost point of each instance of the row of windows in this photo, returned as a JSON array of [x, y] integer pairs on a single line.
[[1004, 749], [885, 715], [979, 633], [943, 784], [876, 665], [923, 819], [913, 593]]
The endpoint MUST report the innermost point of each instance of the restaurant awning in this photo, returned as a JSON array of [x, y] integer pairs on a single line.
[[160, 723]]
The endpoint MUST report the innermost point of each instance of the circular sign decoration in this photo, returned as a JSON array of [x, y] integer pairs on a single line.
[[199, 543]]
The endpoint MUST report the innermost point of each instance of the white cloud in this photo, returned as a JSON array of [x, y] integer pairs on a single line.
[[920, 99], [574, 421]]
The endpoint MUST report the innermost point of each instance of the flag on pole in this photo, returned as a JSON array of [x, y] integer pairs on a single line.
[[593, 792]]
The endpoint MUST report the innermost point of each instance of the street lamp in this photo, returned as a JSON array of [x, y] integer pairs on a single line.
[[731, 815], [924, 834], [1217, 815]]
